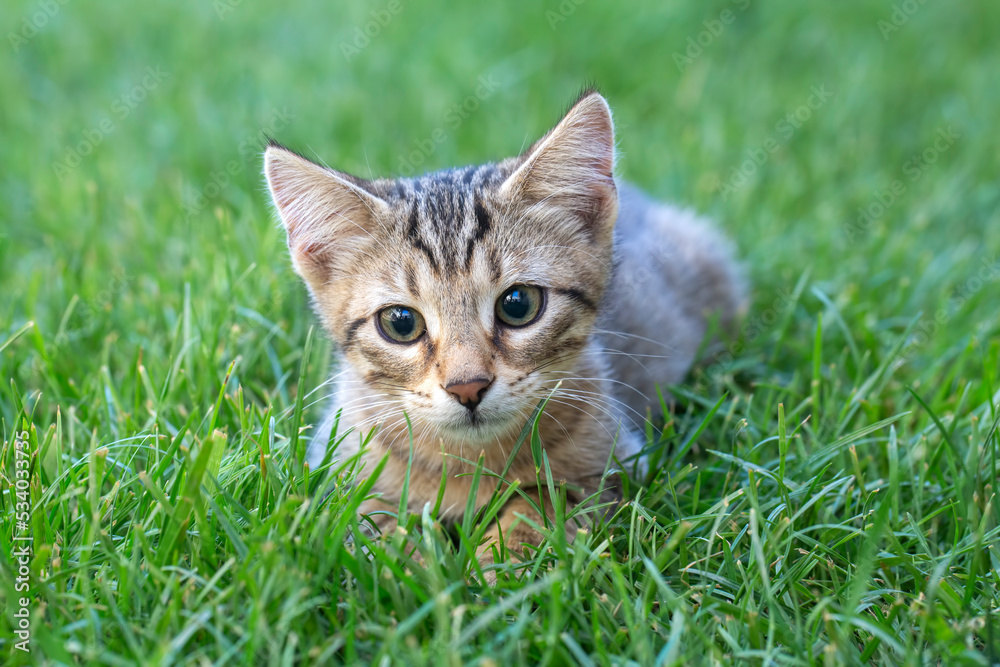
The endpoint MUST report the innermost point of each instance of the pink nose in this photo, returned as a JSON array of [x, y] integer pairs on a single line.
[[469, 393]]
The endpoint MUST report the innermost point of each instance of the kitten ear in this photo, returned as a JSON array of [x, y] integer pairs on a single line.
[[324, 212], [573, 165]]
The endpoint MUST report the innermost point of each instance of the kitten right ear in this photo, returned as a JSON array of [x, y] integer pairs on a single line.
[[324, 212], [572, 166]]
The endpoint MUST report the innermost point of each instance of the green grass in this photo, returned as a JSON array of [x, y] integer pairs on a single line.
[[838, 507]]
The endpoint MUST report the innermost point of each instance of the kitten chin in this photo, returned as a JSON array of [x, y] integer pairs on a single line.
[[460, 299]]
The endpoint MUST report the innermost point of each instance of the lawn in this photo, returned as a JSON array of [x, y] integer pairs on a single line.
[[827, 487]]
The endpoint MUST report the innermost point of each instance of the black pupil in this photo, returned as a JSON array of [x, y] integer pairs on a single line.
[[403, 321], [517, 304]]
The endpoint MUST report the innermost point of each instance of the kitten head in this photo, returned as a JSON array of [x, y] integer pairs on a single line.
[[459, 296]]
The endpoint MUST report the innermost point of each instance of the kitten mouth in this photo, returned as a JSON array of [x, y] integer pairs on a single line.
[[477, 425], [475, 421]]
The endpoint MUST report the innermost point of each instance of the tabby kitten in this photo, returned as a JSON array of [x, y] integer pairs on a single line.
[[463, 297]]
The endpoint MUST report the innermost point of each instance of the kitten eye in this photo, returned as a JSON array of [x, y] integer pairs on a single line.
[[401, 324], [520, 305]]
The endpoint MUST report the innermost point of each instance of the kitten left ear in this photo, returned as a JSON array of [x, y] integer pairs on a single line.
[[573, 165], [325, 213]]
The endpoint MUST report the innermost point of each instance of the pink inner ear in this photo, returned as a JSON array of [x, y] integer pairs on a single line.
[[297, 192], [312, 250], [573, 165], [283, 201]]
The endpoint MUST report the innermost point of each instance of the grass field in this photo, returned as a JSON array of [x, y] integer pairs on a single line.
[[828, 489]]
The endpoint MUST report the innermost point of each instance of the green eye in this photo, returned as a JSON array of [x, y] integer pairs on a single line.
[[520, 305], [401, 324]]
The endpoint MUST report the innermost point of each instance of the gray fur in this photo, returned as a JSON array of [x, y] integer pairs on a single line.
[[673, 272]]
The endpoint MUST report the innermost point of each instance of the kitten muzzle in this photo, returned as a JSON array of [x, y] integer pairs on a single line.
[[470, 392]]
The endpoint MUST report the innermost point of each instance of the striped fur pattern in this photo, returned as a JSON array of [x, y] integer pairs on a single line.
[[627, 285]]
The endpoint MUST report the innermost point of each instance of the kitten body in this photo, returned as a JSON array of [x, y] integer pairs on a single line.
[[625, 288]]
